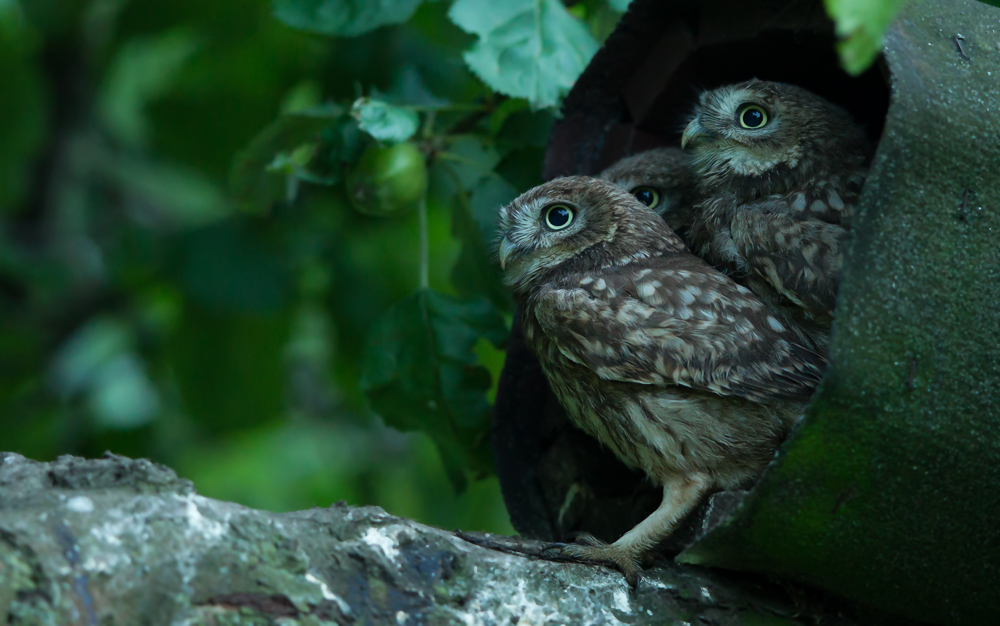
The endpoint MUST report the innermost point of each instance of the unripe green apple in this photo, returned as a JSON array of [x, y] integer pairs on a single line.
[[387, 180]]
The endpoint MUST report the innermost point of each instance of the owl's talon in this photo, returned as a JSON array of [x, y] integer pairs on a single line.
[[624, 560], [552, 546], [586, 539]]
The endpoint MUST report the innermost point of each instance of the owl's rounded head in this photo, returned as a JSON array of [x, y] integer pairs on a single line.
[[763, 129], [661, 179], [577, 223]]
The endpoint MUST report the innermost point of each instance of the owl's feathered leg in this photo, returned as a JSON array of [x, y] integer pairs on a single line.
[[680, 495]]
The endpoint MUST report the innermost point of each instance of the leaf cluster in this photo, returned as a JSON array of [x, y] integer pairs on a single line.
[[420, 368], [183, 275]]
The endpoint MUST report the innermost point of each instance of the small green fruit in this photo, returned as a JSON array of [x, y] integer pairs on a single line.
[[388, 180]]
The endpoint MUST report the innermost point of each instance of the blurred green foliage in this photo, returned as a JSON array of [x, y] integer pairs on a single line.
[[183, 276], [861, 25]]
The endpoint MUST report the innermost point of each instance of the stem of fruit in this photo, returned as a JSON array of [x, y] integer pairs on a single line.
[[425, 254], [425, 281]]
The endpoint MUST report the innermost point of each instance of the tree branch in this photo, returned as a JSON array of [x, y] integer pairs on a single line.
[[121, 541]]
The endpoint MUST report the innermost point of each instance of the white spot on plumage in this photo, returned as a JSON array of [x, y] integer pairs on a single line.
[[799, 204]]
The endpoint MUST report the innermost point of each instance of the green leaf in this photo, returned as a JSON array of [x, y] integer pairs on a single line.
[[504, 110], [419, 373], [619, 5], [531, 49], [408, 87], [471, 159], [343, 17], [96, 342], [340, 145], [23, 109], [256, 189], [98, 361], [123, 397], [143, 70], [474, 223], [861, 24], [173, 193], [385, 122]]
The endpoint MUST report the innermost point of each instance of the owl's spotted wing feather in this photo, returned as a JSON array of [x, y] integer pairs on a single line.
[[673, 322], [777, 197], [800, 258], [822, 202]]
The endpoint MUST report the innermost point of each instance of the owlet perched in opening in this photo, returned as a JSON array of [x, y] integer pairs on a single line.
[[662, 180], [779, 172], [676, 368]]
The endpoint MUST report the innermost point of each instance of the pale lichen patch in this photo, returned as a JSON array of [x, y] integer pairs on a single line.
[[80, 504], [328, 594], [382, 539], [199, 524]]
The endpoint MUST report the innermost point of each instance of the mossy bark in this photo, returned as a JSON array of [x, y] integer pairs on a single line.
[[121, 541]]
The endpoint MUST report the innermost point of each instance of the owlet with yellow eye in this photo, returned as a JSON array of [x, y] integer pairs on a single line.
[[660, 179], [672, 365], [663, 180], [779, 172]]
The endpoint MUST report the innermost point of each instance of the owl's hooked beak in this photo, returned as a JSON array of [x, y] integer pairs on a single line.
[[693, 132], [507, 249]]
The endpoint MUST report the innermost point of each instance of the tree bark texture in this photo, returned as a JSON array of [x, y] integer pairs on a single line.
[[122, 541]]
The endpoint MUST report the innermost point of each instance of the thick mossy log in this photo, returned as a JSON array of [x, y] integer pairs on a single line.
[[121, 541]]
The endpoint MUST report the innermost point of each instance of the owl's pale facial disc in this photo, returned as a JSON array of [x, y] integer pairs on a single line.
[[556, 222], [745, 128]]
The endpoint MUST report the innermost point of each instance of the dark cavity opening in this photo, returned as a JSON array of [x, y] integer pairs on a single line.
[[639, 91], [809, 61]]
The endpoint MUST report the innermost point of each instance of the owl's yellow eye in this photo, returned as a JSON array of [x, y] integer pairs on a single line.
[[752, 116], [558, 216], [647, 195]]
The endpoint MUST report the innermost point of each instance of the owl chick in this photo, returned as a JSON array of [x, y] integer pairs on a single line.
[[680, 371], [662, 180], [779, 171]]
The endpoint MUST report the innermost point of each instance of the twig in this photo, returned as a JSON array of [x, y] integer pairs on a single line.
[[958, 44]]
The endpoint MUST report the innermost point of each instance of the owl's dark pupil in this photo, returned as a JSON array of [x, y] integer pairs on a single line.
[[645, 196], [752, 118], [558, 216]]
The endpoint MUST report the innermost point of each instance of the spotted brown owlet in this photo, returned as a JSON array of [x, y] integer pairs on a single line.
[[662, 180], [680, 371], [779, 171]]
